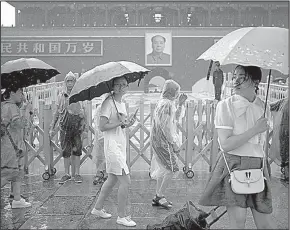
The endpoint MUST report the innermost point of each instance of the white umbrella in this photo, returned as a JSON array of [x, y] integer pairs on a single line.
[[266, 47]]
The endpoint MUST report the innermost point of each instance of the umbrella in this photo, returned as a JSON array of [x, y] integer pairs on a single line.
[[26, 72], [99, 80], [265, 47]]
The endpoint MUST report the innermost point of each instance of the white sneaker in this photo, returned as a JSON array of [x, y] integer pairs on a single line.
[[101, 213], [20, 204], [126, 221]]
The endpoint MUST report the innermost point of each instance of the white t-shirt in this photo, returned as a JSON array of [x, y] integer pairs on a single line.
[[238, 114]]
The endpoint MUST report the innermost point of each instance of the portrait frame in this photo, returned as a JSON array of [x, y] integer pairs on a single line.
[[167, 49]]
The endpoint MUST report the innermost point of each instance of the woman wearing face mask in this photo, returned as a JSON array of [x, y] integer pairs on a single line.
[[115, 143], [241, 130], [165, 140], [11, 164]]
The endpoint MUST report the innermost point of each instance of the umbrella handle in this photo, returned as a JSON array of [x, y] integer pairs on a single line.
[[122, 126], [209, 69], [268, 86]]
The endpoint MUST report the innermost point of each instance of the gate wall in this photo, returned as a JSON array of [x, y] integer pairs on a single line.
[[196, 129]]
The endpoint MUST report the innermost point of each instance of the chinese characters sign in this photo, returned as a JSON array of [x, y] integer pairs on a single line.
[[51, 47]]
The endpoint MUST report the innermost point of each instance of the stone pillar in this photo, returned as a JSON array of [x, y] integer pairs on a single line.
[[270, 15], [239, 16], [16, 18], [179, 17], [137, 16], [46, 17], [209, 15], [76, 17], [107, 16]]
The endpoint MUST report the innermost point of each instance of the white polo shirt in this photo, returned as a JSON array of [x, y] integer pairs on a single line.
[[238, 114]]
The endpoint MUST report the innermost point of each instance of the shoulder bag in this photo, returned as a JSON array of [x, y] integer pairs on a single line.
[[249, 181]]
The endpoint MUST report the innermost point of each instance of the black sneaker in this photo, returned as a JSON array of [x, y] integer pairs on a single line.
[[78, 179], [12, 196], [64, 179]]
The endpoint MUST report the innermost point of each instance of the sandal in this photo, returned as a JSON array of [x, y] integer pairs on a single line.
[[168, 201], [161, 201], [98, 180]]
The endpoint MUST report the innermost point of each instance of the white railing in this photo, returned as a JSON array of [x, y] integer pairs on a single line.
[[49, 92]]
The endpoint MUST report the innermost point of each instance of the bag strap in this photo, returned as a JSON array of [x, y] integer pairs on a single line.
[[226, 162]]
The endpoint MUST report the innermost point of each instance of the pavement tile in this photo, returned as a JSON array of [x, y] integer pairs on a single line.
[[86, 188], [66, 205], [52, 222]]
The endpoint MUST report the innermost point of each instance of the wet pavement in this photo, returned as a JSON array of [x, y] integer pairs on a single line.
[[68, 206]]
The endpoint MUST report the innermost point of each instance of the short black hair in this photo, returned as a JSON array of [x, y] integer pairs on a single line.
[[253, 72], [114, 79], [6, 95], [158, 36]]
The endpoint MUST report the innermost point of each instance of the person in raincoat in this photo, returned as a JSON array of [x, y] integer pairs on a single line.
[[241, 128], [165, 139], [13, 124], [73, 130], [98, 149], [112, 123], [280, 139]]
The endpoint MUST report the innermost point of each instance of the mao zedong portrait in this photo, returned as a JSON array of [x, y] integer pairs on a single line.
[[157, 56]]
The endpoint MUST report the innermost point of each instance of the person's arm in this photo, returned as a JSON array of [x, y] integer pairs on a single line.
[[105, 125]]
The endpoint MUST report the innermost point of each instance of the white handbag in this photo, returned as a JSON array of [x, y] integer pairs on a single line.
[[248, 181]]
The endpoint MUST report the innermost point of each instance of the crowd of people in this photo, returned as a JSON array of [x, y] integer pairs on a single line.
[[239, 120]]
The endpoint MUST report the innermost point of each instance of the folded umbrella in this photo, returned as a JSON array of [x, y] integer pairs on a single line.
[[99, 80], [26, 72]]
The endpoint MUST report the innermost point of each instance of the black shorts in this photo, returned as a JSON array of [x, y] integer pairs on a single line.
[[71, 143]]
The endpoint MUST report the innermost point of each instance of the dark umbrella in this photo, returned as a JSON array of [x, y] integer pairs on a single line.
[[99, 80], [26, 72]]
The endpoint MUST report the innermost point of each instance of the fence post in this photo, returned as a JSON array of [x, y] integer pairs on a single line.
[[23, 114], [34, 100], [214, 147], [128, 157], [41, 120], [142, 115], [189, 132], [152, 108], [46, 139]]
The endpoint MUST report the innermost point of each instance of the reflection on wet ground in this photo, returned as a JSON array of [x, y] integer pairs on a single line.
[[68, 206]]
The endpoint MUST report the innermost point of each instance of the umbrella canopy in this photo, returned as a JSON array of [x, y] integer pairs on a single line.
[[26, 72], [99, 80], [265, 47]]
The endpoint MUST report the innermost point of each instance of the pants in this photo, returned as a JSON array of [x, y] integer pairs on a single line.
[[218, 92]]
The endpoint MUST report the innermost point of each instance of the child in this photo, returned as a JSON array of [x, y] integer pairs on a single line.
[[98, 151]]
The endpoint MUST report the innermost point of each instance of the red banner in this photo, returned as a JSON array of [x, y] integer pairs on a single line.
[[51, 47]]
